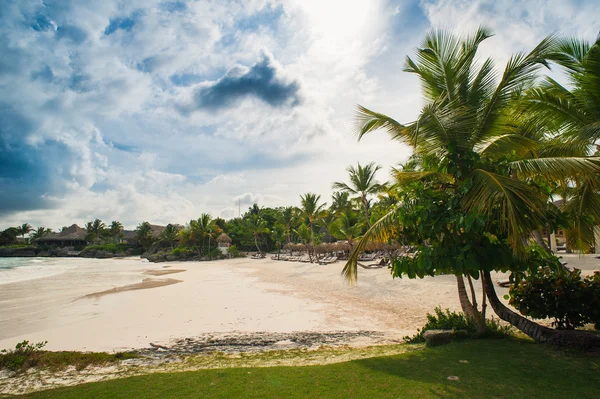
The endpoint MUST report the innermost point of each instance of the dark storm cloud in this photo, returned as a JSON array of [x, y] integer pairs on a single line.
[[260, 81]]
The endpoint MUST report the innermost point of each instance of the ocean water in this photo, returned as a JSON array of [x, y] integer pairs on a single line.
[[13, 270]]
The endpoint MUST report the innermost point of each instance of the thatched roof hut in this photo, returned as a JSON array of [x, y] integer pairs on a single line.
[[224, 238], [71, 236]]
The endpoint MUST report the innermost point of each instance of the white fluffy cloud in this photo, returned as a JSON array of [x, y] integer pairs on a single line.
[[100, 102]]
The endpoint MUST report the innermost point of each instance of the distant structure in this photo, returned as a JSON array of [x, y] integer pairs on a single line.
[[73, 236], [223, 243]]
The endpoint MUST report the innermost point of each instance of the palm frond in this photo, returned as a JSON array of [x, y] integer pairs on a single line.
[[368, 121], [507, 143], [379, 231], [557, 168], [514, 204]]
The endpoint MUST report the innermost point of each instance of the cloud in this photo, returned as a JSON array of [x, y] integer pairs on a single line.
[[125, 24], [260, 81]]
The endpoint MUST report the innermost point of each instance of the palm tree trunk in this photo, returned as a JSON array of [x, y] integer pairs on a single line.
[[312, 234], [463, 297], [256, 242], [366, 209], [540, 241]]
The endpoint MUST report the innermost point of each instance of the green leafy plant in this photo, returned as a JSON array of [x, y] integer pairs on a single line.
[[569, 299], [23, 356], [446, 320], [233, 251]]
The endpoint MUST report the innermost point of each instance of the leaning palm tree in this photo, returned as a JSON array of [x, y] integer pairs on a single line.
[[476, 157], [312, 211], [23, 229], [572, 117], [362, 184]]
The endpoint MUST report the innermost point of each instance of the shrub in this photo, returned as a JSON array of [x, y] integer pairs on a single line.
[[182, 252], [569, 299], [215, 253], [112, 248], [446, 320], [23, 356], [233, 251]]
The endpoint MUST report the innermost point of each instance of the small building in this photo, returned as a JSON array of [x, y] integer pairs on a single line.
[[73, 236], [223, 243]]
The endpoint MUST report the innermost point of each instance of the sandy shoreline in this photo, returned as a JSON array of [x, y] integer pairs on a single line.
[[230, 296]]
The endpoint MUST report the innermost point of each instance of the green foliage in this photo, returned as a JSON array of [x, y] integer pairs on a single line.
[[22, 357], [27, 355], [112, 248], [215, 253], [182, 252], [569, 299], [446, 320], [9, 236], [233, 251]]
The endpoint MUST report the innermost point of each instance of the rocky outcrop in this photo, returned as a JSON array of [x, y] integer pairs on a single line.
[[441, 337]]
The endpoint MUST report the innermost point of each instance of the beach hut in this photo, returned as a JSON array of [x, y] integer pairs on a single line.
[[73, 236], [223, 243]]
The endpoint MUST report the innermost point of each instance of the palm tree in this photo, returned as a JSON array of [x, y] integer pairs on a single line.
[[95, 229], [116, 229], [312, 211], [143, 233], [347, 227], [572, 116], [340, 202], [23, 229], [170, 234], [40, 232], [257, 227], [474, 152], [279, 235], [289, 219], [363, 184], [200, 230]]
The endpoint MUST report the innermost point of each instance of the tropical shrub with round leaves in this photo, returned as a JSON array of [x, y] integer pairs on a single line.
[[567, 297]]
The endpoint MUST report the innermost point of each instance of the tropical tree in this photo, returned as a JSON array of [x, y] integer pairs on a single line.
[[200, 230], [170, 234], [115, 229], [9, 236], [340, 202], [312, 211], [144, 235], [279, 236], [347, 227], [362, 184], [571, 116], [40, 232], [288, 218], [258, 227], [95, 229], [468, 205], [23, 229]]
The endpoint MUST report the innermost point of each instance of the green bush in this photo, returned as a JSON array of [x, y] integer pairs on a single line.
[[22, 357], [182, 252], [27, 355], [446, 320], [569, 299], [233, 251], [215, 253], [112, 248]]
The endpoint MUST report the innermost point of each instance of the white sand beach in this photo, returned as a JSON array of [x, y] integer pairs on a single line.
[[120, 304]]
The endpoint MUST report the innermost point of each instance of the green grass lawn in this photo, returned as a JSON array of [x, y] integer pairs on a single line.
[[495, 369]]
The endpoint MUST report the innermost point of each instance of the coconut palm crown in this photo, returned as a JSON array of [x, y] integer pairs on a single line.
[[467, 139]]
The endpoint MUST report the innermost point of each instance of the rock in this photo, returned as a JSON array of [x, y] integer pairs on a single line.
[[172, 258], [438, 337], [453, 378]]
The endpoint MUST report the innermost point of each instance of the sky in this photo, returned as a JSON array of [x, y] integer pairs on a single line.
[[159, 111]]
